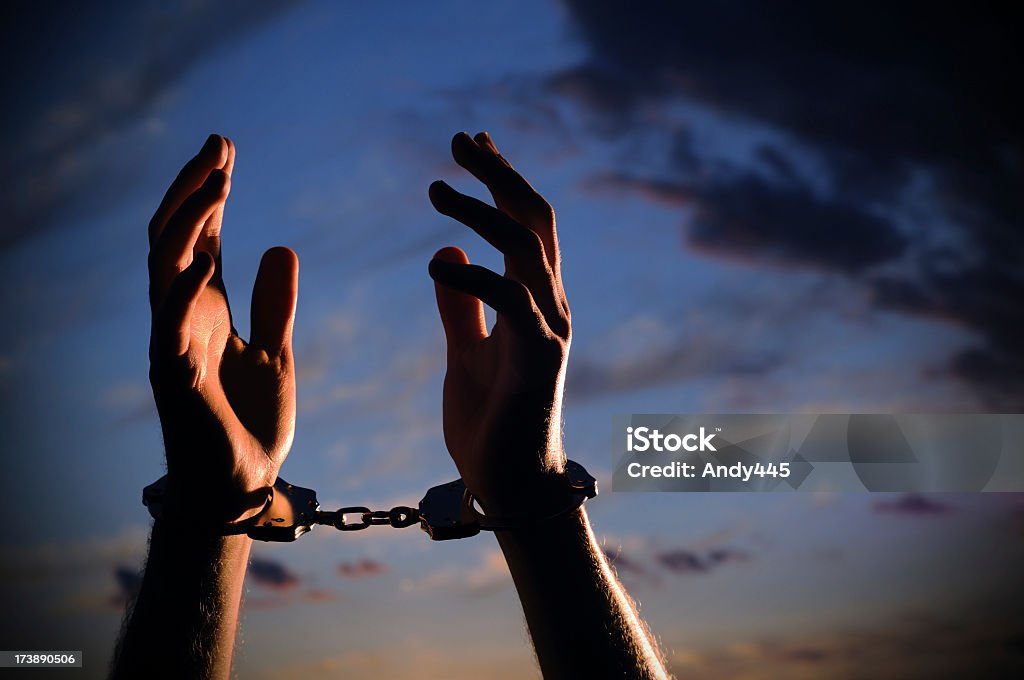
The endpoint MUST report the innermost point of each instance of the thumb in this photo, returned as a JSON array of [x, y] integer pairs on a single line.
[[461, 315], [274, 297]]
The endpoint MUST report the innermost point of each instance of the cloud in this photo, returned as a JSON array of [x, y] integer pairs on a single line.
[[319, 595], [281, 587], [68, 108], [624, 564], [271, 574], [913, 504], [684, 561], [130, 403], [592, 376], [129, 582], [813, 70], [403, 655], [640, 557], [923, 644], [646, 351], [54, 558], [887, 148], [489, 575], [364, 568], [781, 225]]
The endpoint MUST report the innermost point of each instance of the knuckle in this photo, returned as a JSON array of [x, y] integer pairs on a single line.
[[540, 209], [221, 186], [552, 350], [530, 244], [561, 326], [520, 295]]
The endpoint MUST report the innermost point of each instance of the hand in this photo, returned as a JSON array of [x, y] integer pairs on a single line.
[[227, 407], [503, 390]]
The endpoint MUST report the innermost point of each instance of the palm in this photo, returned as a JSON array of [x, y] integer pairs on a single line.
[[250, 403], [476, 386]]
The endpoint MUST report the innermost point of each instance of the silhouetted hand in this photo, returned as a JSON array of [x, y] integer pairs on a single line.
[[227, 407], [503, 390]]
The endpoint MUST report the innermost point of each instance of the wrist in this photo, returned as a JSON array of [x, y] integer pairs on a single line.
[[533, 552], [203, 507], [512, 481], [545, 498]]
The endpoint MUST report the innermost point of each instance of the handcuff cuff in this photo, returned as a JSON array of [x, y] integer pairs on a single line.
[[447, 511]]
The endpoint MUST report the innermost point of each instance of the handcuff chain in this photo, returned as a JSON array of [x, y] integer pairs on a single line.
[[399, 517]]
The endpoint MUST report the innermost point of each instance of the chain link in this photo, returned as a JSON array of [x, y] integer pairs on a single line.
[[399, 517]]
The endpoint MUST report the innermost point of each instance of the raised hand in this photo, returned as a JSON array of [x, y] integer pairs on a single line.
[[502, 423], [227, 407], [502, 390]]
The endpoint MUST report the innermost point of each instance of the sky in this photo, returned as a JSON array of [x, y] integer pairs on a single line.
[[762, 208]]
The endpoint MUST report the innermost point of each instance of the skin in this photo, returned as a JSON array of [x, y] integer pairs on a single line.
[[227, 410], [502, 422]]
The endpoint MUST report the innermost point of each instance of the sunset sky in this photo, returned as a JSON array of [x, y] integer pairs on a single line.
[[787, 210]]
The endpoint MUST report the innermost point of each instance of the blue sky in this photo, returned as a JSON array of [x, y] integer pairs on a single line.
[[720, 254]]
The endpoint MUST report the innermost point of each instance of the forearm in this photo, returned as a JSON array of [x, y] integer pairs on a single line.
[[581, 620], [184, 619]]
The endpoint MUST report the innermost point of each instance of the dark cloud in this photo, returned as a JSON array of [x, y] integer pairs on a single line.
[[624, 564], [947, 643], [684, 561], [63, 106], [363, 568], [888, 98], [271, 574], [596, 376], [981, 299], [786, 225], [913, 504], [915, 80], [129, 582], [319, 595]]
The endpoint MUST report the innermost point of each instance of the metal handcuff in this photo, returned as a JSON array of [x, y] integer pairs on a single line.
[[447, 511]]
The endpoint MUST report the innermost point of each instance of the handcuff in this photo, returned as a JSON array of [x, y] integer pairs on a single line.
[[447, 511]]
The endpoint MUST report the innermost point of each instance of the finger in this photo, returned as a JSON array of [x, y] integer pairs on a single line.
[[274, 297], [173, 321], [192, 175], [484, 139], [484, 162], [525, 260], [173, 251], [209, 237], [461, 315], [229, 163], [511, 192], [497, 228], [509, 298]]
